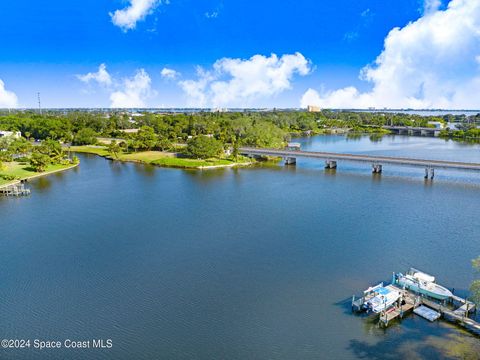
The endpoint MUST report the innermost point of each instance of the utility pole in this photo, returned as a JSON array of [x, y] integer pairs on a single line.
[[39, 104]]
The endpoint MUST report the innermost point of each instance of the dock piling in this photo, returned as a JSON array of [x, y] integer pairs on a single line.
[[330, 164], [17, 189], [376, 168], [290, 161]]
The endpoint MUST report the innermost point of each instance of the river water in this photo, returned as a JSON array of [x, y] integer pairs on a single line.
[[254, 263]]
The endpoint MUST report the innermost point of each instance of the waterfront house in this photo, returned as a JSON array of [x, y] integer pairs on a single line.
[[437, 124]]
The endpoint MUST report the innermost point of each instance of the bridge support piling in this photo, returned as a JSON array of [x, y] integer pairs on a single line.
[[330, 164], [376, 168], [429, 173], [290, 161]]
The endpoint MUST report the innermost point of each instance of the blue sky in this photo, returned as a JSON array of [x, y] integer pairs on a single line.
[[47, 46]]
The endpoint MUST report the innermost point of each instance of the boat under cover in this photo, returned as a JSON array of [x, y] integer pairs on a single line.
[[383, 299]]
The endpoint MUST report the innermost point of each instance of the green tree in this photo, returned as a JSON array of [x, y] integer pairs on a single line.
[[51, 148], [85, 136], [203, 147], [114, 148], [39, 161], [264, 134], [20, 146], [164, 144], [235, 149], [146, 138]]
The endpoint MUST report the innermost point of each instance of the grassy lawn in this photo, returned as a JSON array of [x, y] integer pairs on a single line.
[[23, 170], [145, 156], [191, 163], [97, 150], [160, 158]]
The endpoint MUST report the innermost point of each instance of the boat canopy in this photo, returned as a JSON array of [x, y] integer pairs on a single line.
[[382, 291], [423, 277]]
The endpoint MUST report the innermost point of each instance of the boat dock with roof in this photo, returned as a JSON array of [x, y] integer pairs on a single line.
[[419, 299]]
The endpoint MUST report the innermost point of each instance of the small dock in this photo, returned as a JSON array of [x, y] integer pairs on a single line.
[[427, 313], [407, 302], [455, 309], [17, 189], [458, 316]]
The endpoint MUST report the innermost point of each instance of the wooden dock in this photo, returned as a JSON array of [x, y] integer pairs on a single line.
[[407, 302], [456, 310], [17, 189], [427, 313], [458, 316], [357, 304]]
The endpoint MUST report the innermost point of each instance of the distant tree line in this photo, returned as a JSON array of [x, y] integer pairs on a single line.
[[262, 129]]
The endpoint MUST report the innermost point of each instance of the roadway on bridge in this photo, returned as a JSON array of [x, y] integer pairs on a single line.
[[362, 158]]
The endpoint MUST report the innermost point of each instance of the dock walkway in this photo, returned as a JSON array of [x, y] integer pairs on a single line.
[[420, 305], [456, 316], [17, 189], [408, 301]]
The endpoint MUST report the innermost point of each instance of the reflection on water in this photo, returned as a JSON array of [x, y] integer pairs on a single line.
[[43, 183], [258, 262]]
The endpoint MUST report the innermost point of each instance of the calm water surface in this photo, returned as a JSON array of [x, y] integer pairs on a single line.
[[256, 263]]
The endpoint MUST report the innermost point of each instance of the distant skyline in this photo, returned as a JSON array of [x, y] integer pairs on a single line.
[[214, 53]]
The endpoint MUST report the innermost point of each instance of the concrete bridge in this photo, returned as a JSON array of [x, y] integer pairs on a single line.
[[291, 153], [409, 130]]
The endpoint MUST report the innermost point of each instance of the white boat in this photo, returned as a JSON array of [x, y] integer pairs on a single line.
[[383, 299], [422, 283]]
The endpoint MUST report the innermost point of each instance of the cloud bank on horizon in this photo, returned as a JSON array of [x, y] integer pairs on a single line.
[[433, 62]]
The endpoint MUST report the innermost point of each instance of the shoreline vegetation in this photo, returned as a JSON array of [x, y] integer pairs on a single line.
[[189, 140], [162, 158], [23, 172], [21, 159]]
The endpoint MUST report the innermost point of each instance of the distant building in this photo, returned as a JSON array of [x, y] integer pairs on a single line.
[[312, 108], [437, 124], [293, 146], [14, 134]]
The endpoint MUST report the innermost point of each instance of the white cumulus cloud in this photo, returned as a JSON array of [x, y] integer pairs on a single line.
[[429, 63], [124, 93], [102, 76], [240, 82], [8, 99], [133, 91], [430, 6], [137, 10], [169, 73]]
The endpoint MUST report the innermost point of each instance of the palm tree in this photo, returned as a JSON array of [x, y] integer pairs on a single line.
[[114, 148]]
